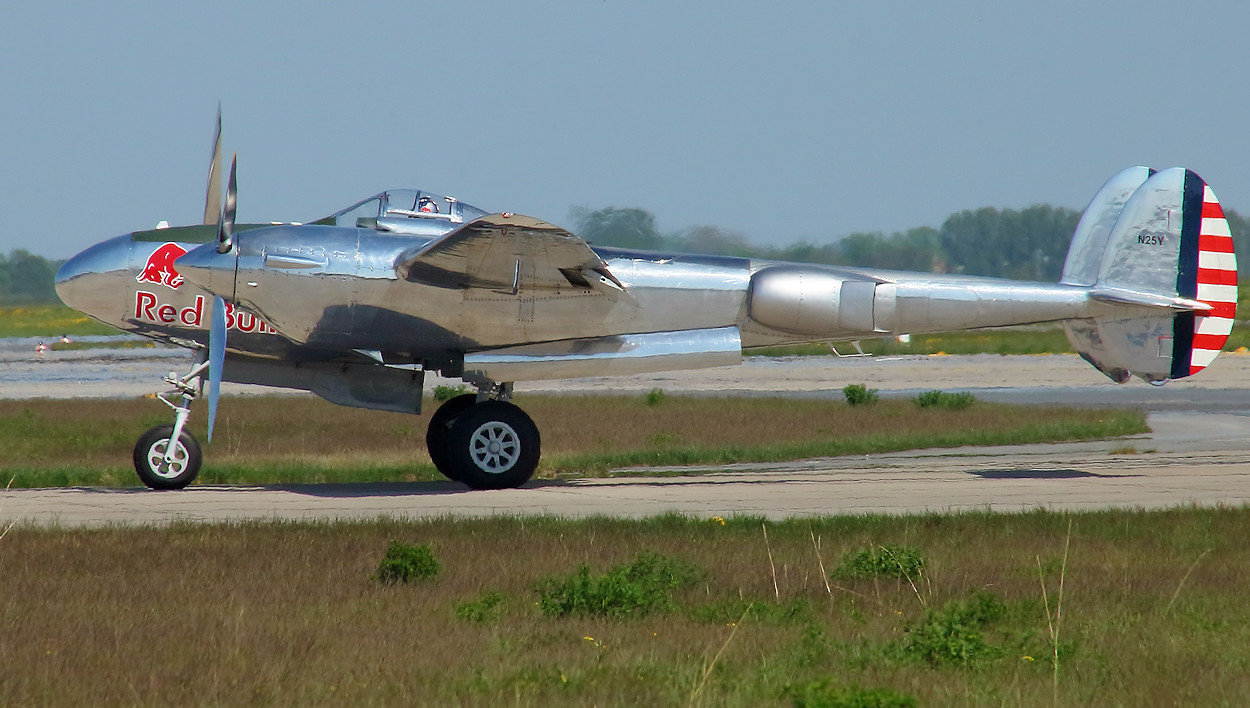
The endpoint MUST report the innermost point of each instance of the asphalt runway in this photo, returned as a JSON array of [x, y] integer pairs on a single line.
[[1199, 454]]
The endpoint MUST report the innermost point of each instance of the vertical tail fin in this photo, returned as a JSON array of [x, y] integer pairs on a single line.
[[1158, 244], [1089, 241]]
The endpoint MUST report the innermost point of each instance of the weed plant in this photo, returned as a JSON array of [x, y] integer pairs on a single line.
[[940, 399], [859, 395], [881, 561], [654, 397], [486, 608], [404, 564], [443, 393], [640, 588], [953, 633]]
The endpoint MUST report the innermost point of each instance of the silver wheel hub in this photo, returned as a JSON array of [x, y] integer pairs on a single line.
[[495, 447], [167, 470]]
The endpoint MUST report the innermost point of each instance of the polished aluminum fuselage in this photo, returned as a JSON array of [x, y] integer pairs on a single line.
[[357, 306], [318, 293]]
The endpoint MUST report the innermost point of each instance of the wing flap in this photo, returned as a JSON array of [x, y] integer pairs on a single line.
[[508, 252]]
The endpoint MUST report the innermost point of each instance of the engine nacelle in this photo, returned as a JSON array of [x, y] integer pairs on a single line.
[[806, 300]]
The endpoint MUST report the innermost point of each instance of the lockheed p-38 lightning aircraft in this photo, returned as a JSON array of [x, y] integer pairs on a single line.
[[357, 306]]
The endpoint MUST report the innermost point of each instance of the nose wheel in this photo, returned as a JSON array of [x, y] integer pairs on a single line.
[[167, 456], [486, 445], [165, 462]]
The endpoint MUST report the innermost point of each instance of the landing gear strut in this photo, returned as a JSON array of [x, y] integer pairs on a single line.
[[167, 456], [484, 441]]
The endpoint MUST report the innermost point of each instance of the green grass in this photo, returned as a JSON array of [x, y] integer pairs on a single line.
[[59, 346], [941, 399], [284, 439], [48, 321], [1153, 613]]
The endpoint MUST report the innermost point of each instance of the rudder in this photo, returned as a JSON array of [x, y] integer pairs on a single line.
[[1214, 276]]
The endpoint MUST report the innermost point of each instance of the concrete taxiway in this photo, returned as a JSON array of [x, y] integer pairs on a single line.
[[1199, 453]]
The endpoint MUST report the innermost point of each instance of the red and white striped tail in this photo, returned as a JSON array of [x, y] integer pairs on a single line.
[[1216, 284], [1158, 234]]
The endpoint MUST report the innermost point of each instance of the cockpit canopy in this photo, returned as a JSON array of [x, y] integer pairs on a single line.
[[407, 211]]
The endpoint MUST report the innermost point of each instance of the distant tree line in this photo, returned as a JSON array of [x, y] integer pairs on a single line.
[[27, 278], [1025, 244]]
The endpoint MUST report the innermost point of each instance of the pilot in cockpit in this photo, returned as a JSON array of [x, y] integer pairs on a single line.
[[427, 205]]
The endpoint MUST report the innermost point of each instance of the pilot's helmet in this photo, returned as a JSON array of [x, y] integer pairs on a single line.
[[427, 205]]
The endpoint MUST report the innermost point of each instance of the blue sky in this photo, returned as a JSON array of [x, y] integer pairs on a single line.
[[782, 121]]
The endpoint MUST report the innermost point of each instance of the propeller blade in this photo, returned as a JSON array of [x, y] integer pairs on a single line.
[[212, 196], [225, 225], [216, 359]]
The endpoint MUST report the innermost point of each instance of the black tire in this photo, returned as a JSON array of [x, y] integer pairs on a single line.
[[436, 433], [150, 453], [493, 445]]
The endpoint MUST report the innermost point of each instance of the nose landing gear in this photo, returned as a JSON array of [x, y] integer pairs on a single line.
[[167, 456]]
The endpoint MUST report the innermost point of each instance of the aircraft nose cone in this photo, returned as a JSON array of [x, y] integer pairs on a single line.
[[96, 277]]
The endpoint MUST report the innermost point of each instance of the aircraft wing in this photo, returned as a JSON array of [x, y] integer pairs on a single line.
[[507, 252]]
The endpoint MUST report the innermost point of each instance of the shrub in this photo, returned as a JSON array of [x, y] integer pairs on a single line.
[[831, 694], [639, 588], [404, 564], [891, 561], [952, 635], [446, 393], [654, 397], [859, 395], [482, 610], [940, 399]]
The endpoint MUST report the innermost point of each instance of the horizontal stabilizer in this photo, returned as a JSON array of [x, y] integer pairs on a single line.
[[508, 252], [1129, 297]]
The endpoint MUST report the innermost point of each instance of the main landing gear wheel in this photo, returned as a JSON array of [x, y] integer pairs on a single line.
[[436, 433], [150, 462], [492, 445]]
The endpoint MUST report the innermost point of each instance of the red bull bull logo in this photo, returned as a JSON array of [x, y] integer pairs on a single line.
[[160, 266]]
